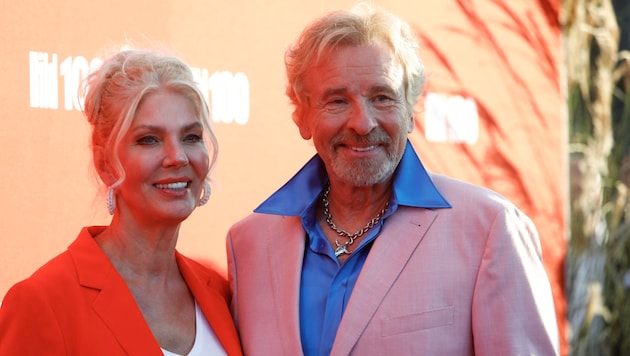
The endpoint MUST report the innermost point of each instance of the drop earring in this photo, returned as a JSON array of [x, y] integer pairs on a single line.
[[111, 201], [206, 194]]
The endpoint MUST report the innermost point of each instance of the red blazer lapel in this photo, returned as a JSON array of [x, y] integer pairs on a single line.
[[213, 297], [113, 303]]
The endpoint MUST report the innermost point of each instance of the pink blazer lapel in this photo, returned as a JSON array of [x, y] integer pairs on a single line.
[[285, 260], [392, 249]]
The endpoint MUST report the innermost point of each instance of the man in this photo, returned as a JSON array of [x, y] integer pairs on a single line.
[[363, 252]]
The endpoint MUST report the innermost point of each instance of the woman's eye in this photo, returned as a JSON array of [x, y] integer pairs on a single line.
[[147, 140], [193, 138]]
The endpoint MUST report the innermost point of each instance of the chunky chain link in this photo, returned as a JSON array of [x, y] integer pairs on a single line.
[[343, 248]]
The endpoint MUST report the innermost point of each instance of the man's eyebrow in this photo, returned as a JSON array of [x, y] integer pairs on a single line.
[[383, 88], [374, 89], [334, 91]]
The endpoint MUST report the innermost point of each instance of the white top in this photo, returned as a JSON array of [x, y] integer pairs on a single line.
[[206, 342]]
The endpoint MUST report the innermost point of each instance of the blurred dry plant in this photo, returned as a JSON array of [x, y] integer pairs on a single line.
[[598, 267]]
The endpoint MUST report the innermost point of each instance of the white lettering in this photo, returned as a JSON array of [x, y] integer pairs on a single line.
[[227, 94], [451, 118], [230, 97], [43, 80]]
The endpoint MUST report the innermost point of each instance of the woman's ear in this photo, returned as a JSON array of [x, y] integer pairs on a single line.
[[103, 166]]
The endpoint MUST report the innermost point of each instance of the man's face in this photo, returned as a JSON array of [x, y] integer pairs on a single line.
[[356, 113]]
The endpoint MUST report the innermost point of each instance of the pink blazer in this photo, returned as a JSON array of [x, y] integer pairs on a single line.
[[462, 281], [78, 304]]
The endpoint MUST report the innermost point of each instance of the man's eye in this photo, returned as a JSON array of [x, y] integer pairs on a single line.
[[333, 100], [335, 103], [382, 99]]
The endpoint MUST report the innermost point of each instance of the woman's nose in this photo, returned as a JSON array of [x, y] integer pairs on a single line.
[[175, 155]]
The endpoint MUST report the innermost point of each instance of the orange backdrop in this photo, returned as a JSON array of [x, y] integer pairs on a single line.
[[492, 113]]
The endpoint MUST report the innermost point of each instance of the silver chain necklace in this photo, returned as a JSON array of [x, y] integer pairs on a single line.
[[343, 248]]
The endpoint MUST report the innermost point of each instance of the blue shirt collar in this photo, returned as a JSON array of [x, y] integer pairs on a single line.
[[412, 187]]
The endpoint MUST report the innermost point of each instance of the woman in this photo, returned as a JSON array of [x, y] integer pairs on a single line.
[[123, 288]]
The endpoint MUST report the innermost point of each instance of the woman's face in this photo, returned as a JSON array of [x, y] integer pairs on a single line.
[[165, 159]]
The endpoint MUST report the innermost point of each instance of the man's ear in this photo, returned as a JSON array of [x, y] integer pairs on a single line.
[[303, 124], [305, 130], [103, 166], [411, 123]]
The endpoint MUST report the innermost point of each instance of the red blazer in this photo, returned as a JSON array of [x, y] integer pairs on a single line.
[[78, 304]]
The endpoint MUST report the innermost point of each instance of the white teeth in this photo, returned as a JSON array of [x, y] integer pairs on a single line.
[[178, 185], [362, 149]]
